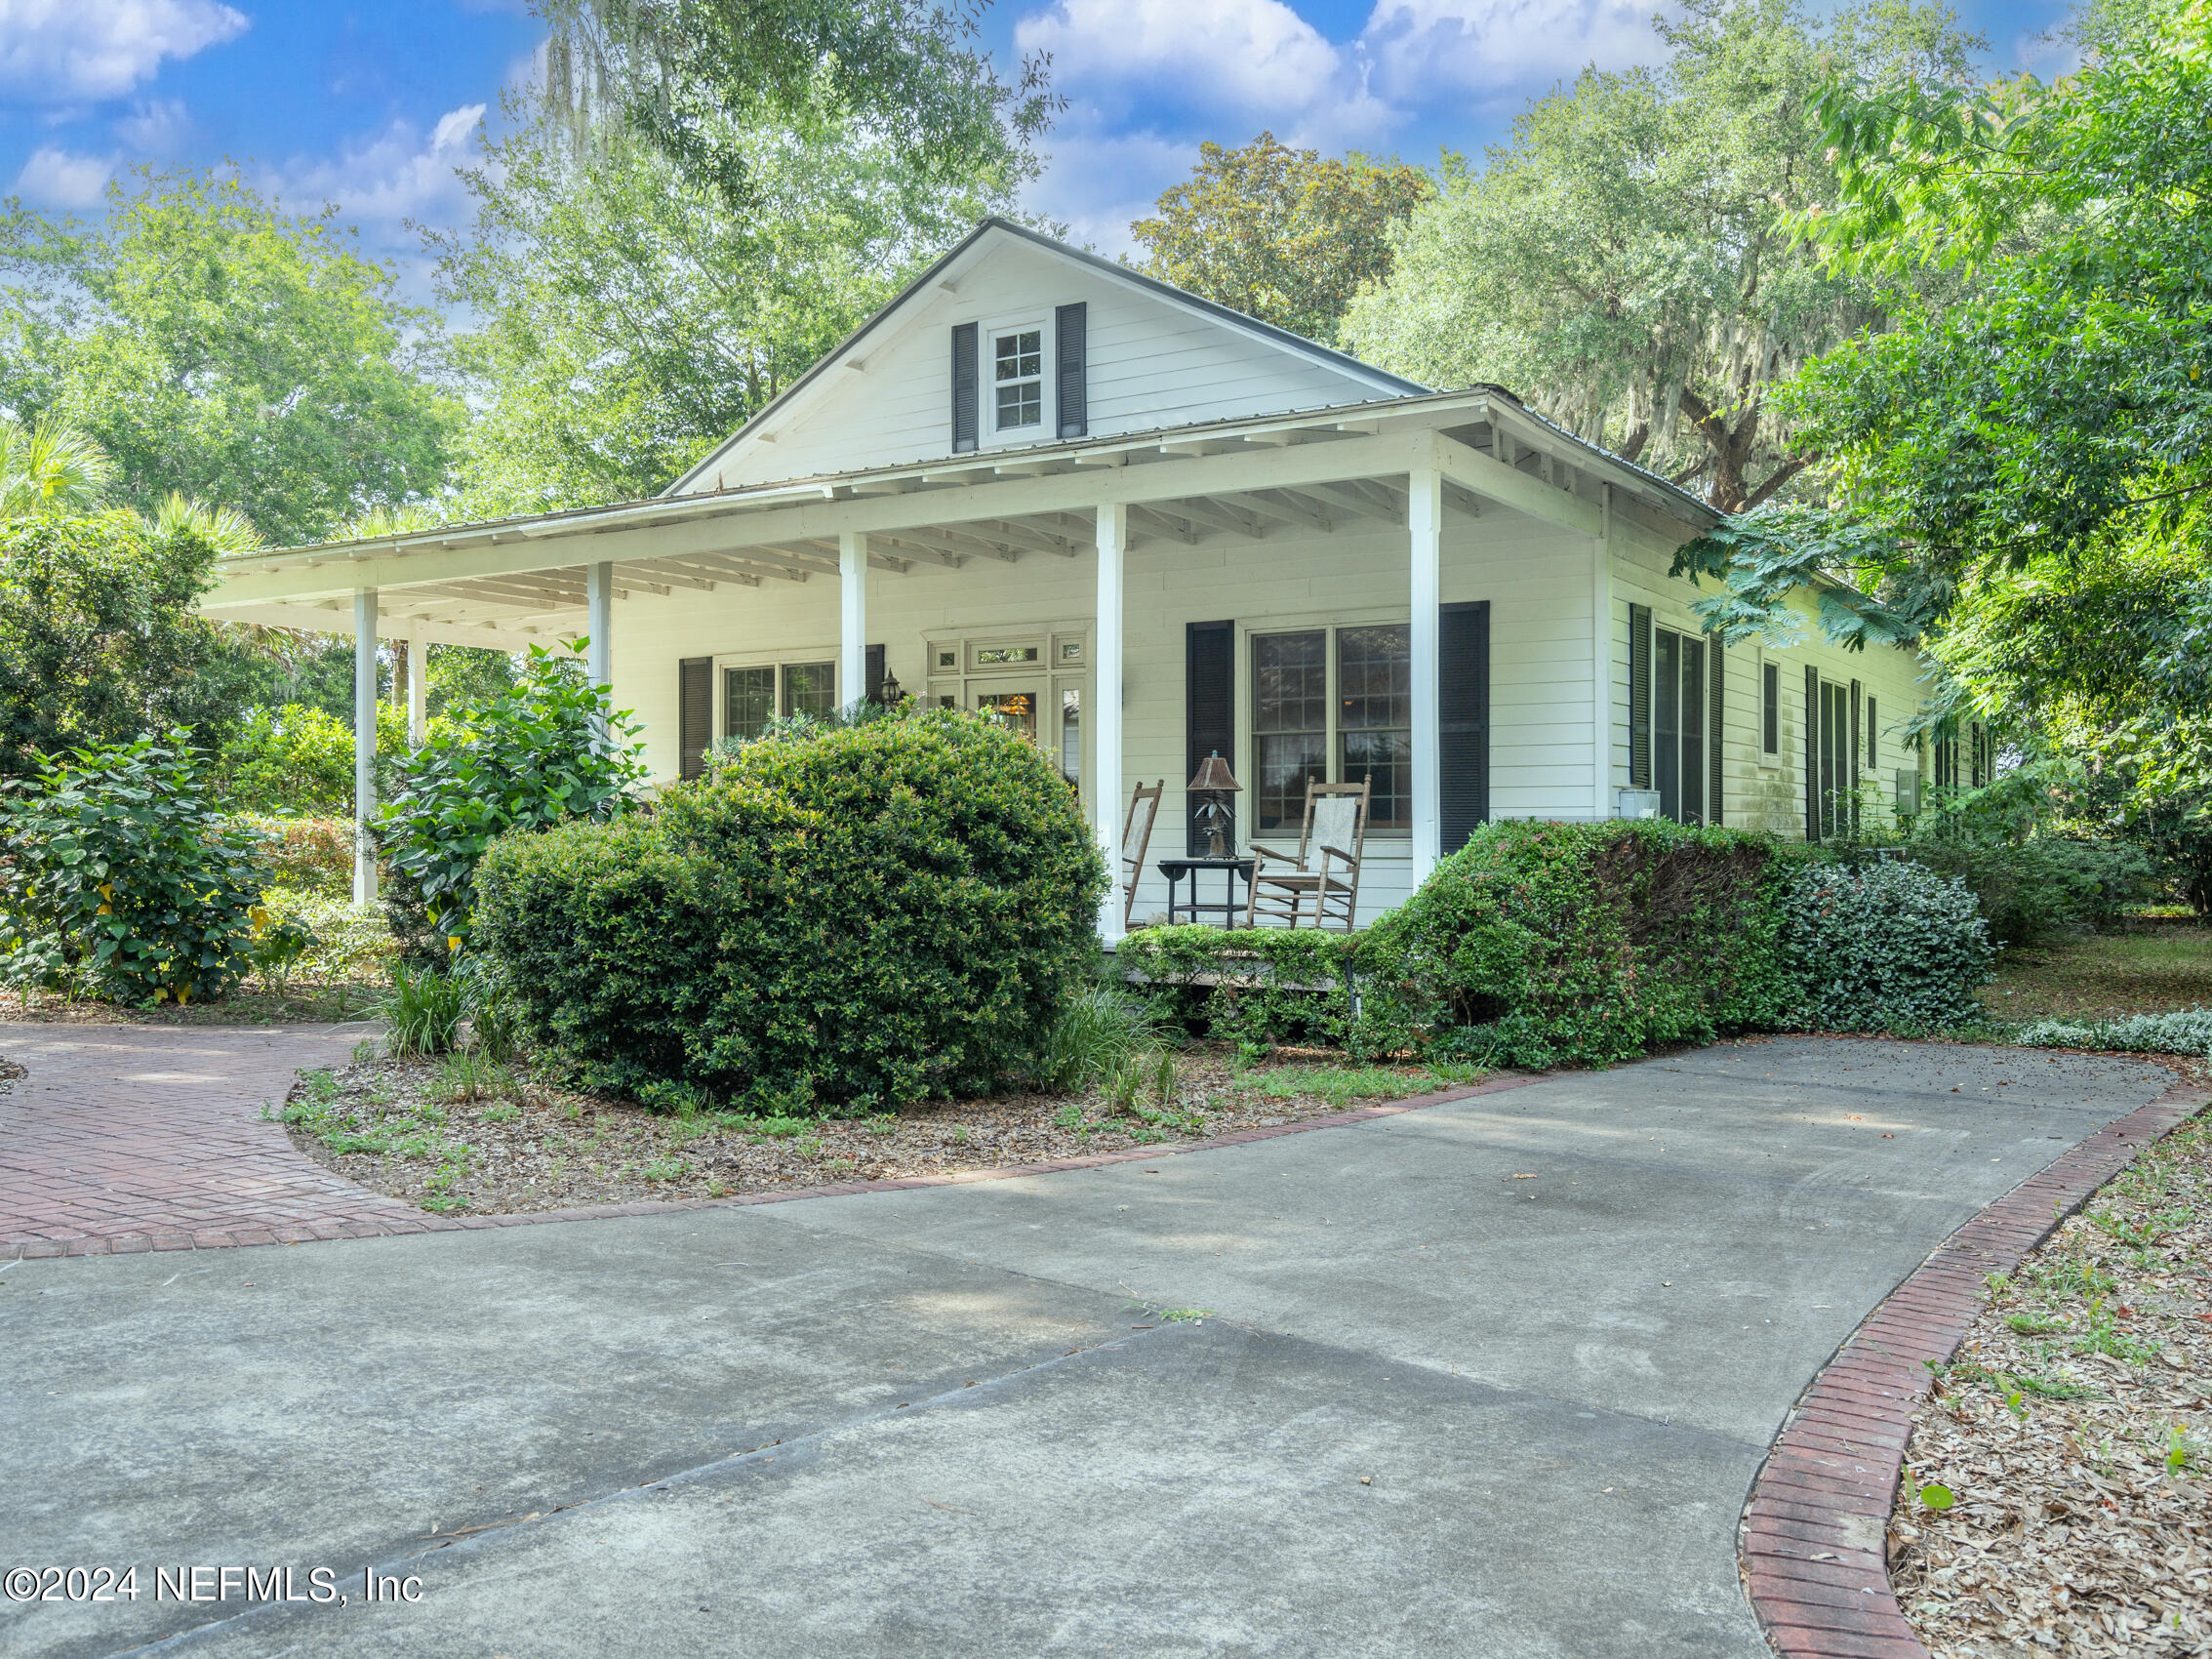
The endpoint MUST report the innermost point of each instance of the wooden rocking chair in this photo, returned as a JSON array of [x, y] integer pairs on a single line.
[[1136, 832], [1325, 874]]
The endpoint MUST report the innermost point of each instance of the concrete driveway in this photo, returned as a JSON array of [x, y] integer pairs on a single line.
[[1490, 1378]]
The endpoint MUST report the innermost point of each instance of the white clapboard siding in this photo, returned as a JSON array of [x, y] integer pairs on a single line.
[[1152, 363]]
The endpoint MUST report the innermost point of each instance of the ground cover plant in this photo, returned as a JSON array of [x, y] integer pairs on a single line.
[[463, 1132], [2058, 1487], [2148, 969], [844, 919]]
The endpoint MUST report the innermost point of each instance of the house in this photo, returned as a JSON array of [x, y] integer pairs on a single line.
[[1149, 529]]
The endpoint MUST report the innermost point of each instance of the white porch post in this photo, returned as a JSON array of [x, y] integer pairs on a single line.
[[852, 625], [417, 686], [364, 744], [599, 649], [1425, 531], [1601, 652], [1106, 718]]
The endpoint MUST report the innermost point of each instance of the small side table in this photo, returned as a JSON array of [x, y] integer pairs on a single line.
[[1190, 909]]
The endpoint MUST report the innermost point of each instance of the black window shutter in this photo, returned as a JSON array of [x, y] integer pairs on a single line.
[[695, 714], [873, 691], [1873, 737], [964, 370], [1856, 750], [1070, 334], [1639, 697], [1716, 704], [1770, 709], [1209, 714], [1812, 754], [1463, 722]]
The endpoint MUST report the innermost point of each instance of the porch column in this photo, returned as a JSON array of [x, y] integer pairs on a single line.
[[417, 686], [1105, 716], [599, 650], [851, 613], [364, 744], [1601, 651], [1425, 531]]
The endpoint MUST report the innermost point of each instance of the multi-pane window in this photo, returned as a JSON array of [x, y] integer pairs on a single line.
[[810, 688], [755, 694], [1018, 378], [1770, 707], [1375, 720], [1290, 722], [1678, 725], [1302, 733], [748, 701]]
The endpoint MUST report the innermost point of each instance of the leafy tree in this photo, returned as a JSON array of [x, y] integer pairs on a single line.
[[696, 78], [98, 641], [631, 319], [1627, 261], [1281, 234], [217, 347]]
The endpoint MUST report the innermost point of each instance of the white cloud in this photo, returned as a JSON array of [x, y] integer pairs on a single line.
[[1421, 48], [55, 50], [159, 128], [1255, 60], [397, 176], [1098, 184], [58, 179]]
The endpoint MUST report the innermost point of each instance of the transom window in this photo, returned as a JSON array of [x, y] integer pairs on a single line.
[[752, 696], [1305, 731], [1018, 378]]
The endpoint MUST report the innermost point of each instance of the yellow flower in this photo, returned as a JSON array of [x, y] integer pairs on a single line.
[[453, 941], [105, 910]]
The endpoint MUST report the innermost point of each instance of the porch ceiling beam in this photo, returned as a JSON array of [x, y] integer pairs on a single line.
[[498, 591], [1491, 480], [1208, 511], [1355, 501], [1015, 533], [1350, 457], [1281, 512], [1167, 519], [1391, 500], [762, 561], [1317, 511], [670, 571], [924, 550], [960, 542]]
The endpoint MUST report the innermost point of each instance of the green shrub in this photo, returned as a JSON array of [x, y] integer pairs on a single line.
[[2048, 887], [1543, 943], [308, 855], [547, 751], [851, 919], [299, 759], [2185, 1030], [1262, 986], [121, 878], [1884, 946]]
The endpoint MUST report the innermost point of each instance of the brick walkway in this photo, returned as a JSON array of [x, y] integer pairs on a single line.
[[151, 1138]]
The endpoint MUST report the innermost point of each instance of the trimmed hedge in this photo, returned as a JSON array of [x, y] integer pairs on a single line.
[[1249, 984], [844, 920], [1886, 945]]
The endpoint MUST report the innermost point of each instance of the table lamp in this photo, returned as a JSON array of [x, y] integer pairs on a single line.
[[1212, 784]]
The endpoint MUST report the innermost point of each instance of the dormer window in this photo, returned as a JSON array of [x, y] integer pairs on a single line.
[[1018, 376]]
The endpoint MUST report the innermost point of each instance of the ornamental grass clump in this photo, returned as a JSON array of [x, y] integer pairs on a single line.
[[1886, 947], [841, 919], [121, 879]]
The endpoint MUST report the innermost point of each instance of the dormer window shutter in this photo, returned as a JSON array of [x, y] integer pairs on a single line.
[[965, 425], [1071, 346]]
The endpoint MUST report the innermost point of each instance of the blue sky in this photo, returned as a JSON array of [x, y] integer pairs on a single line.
[[372, 106]]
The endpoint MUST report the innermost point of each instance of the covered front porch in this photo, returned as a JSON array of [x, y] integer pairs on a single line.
[[1299, 595]]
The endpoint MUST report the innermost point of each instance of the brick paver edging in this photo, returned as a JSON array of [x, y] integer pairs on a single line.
[[415, 1221], [1813, 1534]]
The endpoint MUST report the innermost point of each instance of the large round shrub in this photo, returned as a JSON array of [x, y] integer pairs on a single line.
[[1538, 943], [1886, 945], [841, 919]]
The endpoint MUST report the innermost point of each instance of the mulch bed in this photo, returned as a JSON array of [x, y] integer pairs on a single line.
[[2073, 1431], [525, 1144]]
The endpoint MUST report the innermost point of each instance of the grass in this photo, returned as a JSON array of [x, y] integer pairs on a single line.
[[1343, 1085], [2107, 976]]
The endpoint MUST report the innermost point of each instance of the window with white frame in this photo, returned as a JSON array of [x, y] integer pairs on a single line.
[[1333, 705], [1018, 376], [755, 693]]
